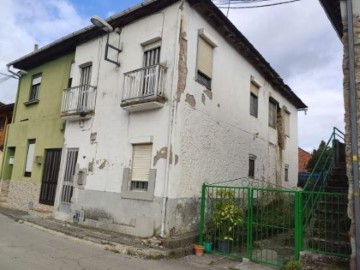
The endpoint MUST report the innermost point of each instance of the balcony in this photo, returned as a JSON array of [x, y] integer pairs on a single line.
[[144, 89], [78, 102]]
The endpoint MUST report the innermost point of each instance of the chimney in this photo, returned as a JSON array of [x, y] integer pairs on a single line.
[[36, 47]]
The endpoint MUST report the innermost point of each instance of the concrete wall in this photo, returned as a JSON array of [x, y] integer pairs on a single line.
[[40, 121], [199, 135]]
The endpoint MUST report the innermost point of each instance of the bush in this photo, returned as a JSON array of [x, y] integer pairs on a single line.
[[293, 265]]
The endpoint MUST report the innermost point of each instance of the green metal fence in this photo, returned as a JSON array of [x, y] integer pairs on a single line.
[[266, 224]]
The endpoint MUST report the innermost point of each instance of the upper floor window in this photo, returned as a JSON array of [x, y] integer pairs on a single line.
[[35, 87], [204, 62], [254, 92], [85, 76], [272, 113], [71, 74], [287, 123], [151, 57]]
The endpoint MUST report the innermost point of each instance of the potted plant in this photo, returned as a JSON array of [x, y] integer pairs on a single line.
[[199, 250], [227, 218], [207, 242]]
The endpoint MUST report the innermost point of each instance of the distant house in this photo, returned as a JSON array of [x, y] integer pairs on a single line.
[[304, 158], [174, 96]]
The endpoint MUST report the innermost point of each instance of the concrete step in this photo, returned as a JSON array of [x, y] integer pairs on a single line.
[[338, 247]]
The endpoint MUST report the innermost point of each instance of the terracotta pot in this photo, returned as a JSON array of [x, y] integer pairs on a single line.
[[199, 250]]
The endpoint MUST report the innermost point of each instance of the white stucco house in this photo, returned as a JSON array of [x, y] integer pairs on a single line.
[[172, 97]]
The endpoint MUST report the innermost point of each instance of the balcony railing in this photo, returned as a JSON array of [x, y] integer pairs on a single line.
[[78, 100], [144, 85]]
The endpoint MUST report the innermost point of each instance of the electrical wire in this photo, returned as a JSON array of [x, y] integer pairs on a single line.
[[258, 6]]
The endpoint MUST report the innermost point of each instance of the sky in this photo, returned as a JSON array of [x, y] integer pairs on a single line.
[[297, 39]]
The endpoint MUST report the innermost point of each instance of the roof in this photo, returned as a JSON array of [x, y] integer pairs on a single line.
[[206, 8], [332, 9], [6, 107]]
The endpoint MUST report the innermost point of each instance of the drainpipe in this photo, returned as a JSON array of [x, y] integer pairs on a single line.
[[172, 116], [354, 135]]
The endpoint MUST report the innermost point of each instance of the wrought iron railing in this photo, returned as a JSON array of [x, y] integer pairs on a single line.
[[78, 99], [144, 82]]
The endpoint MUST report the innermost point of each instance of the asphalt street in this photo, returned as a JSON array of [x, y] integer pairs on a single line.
[[23, 247]]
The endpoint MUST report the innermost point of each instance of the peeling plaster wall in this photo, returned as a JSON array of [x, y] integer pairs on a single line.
[[218, 132], [115, 128]]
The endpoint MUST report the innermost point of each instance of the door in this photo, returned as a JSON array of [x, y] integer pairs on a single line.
[[50, 176], [85, 80], [151, 59], [67, 189]]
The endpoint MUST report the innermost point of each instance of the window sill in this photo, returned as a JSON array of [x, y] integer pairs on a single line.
[[31, 102]]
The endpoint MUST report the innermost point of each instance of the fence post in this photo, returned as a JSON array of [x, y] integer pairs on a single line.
[[249, 223], [298, 225], [202, 213]]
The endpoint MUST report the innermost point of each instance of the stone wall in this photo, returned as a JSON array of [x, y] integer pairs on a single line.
[[346, 85], [24, 195]]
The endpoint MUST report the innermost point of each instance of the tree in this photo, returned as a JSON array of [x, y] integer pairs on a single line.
[[315, 157]]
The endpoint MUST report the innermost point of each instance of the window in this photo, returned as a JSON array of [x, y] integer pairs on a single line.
[[254, 92], [204, 62], [286, 173], [85, 77], [35, 87], [30, 157], [272, 113], [251, 173], [287, 123], [141, 167], [151, 57]]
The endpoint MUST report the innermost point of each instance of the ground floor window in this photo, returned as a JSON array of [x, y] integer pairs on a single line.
[[141, 164]]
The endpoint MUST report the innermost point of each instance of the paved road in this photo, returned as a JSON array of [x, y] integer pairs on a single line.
[[23, 247]]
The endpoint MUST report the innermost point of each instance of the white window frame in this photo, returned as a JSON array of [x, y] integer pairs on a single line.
[[30, 157]]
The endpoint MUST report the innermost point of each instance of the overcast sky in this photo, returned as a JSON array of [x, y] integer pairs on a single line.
[[297, 39]]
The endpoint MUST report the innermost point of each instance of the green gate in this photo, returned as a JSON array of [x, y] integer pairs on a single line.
[[255, 220], [258, 223]]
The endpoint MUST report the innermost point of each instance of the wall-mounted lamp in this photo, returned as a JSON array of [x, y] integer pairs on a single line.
[[98, 22]]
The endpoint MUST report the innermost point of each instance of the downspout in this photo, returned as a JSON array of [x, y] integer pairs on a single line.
[[170, 130], [354, 135]]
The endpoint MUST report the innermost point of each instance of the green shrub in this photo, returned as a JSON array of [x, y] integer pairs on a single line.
[[293, 265]]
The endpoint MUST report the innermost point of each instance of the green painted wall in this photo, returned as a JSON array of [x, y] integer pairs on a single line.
[[40, 121]]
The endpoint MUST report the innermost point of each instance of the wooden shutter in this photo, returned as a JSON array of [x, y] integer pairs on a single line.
[[205, 55], [141, 162]]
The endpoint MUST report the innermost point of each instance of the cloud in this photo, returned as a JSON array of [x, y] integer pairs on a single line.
[[24, 23]]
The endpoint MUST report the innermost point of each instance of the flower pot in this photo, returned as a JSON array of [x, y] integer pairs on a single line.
[[199, 250], [224, 246], [207, 247]]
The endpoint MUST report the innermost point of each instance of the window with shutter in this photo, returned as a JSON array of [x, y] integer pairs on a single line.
[[254, 92], [141, 166], [287, 123], [35, 87], [204, 62], [272, 113], [30, 157]]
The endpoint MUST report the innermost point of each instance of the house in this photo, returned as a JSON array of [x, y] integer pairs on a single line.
[[163, 97], [35, 136], [6, 111], [304, 158], [344, 16]]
